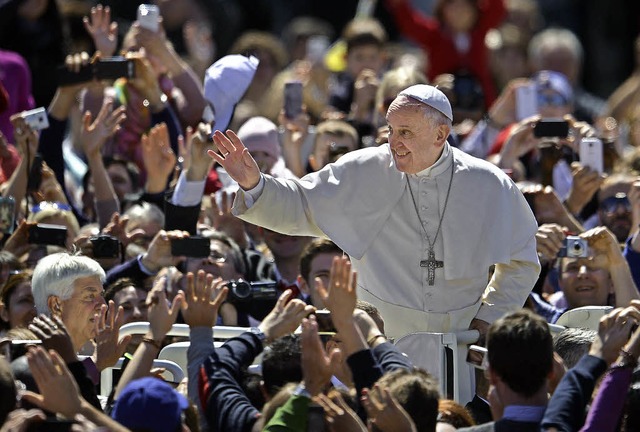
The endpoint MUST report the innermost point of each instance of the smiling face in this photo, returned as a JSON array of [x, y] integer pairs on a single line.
[[78, 311], [416, 142], [583, 284]]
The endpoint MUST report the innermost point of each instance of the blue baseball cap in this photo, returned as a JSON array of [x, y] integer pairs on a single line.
[[151, 404]]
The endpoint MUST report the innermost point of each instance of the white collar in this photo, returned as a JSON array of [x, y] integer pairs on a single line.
[[442, 164]]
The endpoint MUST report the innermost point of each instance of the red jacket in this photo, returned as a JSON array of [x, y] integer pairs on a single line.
[[438, 43]]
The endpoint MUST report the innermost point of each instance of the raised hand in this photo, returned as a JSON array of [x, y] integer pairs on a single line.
[[316, 363], [295, 133], [50, 189], [222, 219], [519, 142], [549, 240], [146, 83], [606, 249], [59, 392], [586, 182], [340, 417], [234, 157], [198, 144], [158, 255], [364, 93], [158, 157], [18, 242], [108, 348], [54, 336], [26, 139], [503, 111], [160, 316], [285, 317], [201, 311], [103, 31], [117, 227], [614, 331], [21, 420], [386, 414], [340, 296], [94, 134]]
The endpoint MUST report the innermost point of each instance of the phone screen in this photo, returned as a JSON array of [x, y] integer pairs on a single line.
[[292, 99]]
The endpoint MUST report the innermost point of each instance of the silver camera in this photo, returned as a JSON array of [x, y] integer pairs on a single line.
[[574, 247]]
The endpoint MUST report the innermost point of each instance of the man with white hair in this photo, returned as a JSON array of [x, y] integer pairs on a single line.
[[422, 221], [70, 287]]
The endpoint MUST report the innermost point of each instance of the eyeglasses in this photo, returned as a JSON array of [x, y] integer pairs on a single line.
[[611, 204], [551, 99], [48, 205], [217, 257]]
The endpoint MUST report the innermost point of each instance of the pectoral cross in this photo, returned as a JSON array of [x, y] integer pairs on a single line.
[[431, 264]]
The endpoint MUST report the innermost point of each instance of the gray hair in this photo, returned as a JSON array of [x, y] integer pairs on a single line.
[[145, 212], [432, 115], [572, 344], [554, 38], [55, 274]]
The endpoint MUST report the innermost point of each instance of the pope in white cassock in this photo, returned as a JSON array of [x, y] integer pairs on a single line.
[[422, 221]]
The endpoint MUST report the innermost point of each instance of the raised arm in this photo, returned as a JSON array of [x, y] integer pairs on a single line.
[[234, 157], [93, 136], [180, 72]]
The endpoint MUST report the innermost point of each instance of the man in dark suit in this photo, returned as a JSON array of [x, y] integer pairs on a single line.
[[520, 356]]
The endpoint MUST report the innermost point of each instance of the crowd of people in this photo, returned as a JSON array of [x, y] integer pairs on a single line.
[[327, 190]]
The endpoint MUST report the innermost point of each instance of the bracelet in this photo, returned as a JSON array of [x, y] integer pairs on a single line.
[[153, 342], [374, 338]]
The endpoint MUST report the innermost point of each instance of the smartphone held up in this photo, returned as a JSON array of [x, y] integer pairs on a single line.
[[292, 99]]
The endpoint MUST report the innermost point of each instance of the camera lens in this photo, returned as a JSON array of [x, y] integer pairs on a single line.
[[577, 248], [241, 289]]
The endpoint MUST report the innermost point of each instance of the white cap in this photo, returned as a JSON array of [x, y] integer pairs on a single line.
[[431, 96], [225, 82]]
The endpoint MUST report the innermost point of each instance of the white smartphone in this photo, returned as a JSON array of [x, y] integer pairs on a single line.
[[526, 101], [148, 16], [591, 154], [36, 118]]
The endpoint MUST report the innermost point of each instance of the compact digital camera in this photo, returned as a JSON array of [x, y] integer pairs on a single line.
[[574, 247]]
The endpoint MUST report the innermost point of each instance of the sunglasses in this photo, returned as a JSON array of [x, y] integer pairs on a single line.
[[611, 204]]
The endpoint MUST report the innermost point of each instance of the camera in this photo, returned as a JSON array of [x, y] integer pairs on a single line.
[[105, 246], [241, 291], [106, 68], [48, 234], [574, 247], [193, 247], [551, 128]]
